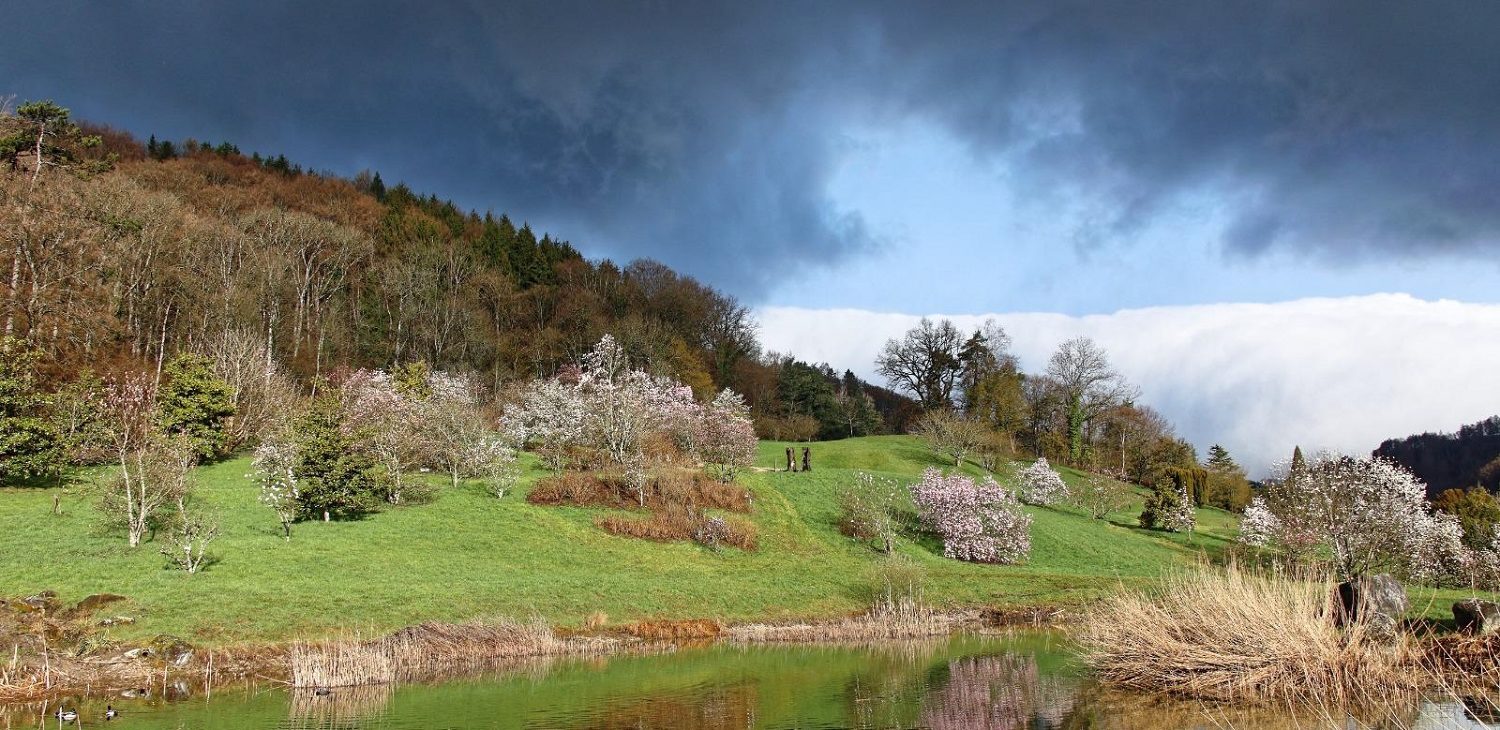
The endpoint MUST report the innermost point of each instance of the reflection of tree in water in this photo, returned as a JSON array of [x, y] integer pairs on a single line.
[[996, 693], [715, 708]]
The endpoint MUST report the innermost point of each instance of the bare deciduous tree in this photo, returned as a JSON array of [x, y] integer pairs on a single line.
[[1088, 387], [924, 362]]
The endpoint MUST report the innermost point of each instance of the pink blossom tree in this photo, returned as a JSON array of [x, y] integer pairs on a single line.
[[980, 522]]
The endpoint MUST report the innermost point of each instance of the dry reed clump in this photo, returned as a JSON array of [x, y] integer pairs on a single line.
[[1233, 635], [428, 650], [345, 662], [905, 619]]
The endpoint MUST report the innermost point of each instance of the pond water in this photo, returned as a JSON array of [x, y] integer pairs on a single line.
[[1024, 680]]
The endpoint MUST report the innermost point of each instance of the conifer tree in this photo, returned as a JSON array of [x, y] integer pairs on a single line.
[[195, 402]]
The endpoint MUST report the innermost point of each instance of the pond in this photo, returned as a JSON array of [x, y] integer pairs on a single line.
[[1021, 680]]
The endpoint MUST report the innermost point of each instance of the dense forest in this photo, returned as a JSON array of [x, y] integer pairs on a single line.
[[1467, 458]]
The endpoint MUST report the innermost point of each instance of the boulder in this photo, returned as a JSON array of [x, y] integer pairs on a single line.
[[1476, 617], [1377, 601]]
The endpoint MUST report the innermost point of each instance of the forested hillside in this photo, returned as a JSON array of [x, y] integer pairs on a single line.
[[1466, 458], [120, 255]]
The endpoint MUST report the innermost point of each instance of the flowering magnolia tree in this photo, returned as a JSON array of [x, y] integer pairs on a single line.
[[609, 408], [1182, 515], [1370, 515], [275, 465], [980, 522], [1042, 486], [421, 420], [549, 418], [724, 436]]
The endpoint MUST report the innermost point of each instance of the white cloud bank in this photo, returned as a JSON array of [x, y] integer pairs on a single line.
[[1342, 374]]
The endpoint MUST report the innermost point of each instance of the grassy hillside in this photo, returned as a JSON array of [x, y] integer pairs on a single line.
[[468, 554]]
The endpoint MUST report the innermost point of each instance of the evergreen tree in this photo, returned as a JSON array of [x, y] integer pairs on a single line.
[[336, 478], [377, 187], [195, 402], [28, 444], [1219, 459], [1170, 505]]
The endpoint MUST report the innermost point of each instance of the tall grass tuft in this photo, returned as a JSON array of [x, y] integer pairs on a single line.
[[1237, 635]]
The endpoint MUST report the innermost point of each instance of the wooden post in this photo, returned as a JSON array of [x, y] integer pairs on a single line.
[[791, 460], [806, 458]]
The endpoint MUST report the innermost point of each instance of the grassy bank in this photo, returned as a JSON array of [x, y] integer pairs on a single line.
[[467, 555]]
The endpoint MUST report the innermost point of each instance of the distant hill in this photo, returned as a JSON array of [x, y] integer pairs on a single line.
[[1451, 460]]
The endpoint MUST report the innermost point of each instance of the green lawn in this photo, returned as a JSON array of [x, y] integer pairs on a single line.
[[468, 554]]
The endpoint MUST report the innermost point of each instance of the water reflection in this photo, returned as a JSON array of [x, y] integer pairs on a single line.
[[1020, 681]]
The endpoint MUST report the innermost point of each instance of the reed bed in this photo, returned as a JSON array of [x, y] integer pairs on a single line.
[[344, 662], [430, 650], [902, 619], [1235, 635]]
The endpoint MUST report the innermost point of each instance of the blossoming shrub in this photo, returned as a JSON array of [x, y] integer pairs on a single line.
[[978, 521], [1042, 486]]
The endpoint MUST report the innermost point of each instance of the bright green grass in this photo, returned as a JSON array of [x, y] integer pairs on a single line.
[[468, 554]]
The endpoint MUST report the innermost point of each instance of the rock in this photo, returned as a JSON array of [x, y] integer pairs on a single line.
[[1377, 601], [173, 650], [1476, 617], [44, 601]]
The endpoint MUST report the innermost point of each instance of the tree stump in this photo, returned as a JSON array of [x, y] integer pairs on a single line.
[[791, 459], [806, 458]]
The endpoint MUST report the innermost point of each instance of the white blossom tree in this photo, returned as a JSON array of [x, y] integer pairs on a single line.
[[1370, 515], [153, 468], [275, 465], [549, 417], [1041, 485]]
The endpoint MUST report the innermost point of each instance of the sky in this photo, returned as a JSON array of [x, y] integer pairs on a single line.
[[1144, 164]]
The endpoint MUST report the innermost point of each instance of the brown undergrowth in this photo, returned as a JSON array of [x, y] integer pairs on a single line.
[[677, 503]]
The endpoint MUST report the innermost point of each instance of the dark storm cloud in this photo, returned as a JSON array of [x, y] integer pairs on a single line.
[[704, 134]]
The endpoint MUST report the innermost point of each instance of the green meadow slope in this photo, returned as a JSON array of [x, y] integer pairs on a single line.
[[467, 554]]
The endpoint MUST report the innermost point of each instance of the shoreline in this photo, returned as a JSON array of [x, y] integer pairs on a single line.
[[433, 651]]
